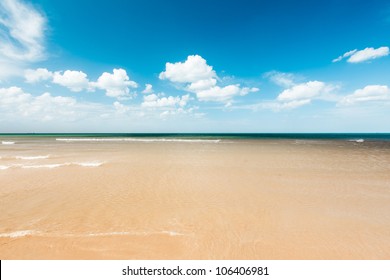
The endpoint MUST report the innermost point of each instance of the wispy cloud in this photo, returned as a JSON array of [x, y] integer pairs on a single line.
[[356, 56], [22, 30], [280, 78], [368, 94]]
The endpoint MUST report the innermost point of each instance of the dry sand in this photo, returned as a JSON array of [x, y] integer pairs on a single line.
[[268, 199]]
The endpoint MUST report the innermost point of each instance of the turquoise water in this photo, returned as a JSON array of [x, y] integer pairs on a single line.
[[259, 136]]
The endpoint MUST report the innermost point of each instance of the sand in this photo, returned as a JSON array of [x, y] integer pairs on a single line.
[[241, 199]]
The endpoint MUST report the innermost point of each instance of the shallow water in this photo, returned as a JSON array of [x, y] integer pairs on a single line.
[[225, 199]]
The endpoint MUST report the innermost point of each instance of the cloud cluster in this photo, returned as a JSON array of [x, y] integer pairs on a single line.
[[153, 101], [201, 79], [15, 101], [167, 106], [356, 56], [115, 84]]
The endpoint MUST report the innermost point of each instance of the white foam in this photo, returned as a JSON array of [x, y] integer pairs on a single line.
[[7, 142], [55, 165], [172, 233], [90, 164], [139, 233], [97, 234], [138, 140], [4, 167], [32, 157], [16, 234], [23, 233], [42, 165], [357, 140]]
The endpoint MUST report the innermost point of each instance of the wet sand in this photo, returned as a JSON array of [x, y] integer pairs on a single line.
[[263, 199]]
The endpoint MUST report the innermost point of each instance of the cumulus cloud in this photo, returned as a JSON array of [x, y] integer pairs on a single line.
[[153, 101], [370, 93], [201, 85], [304, 91], [13, 96], [201, 79], [74, 80], [21, 31], [356, 56], [37, 75], [194, 69], [16, 102], [302, 94], [115, 84], [148, 89]]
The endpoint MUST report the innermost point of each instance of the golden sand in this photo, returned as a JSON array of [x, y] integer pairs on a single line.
[[171, 200]]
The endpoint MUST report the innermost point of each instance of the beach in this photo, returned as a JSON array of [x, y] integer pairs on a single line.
[[172, 198]]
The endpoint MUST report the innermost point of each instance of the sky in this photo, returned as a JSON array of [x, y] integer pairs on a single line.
[[194, 66]]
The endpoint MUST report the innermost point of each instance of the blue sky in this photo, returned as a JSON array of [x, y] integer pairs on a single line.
[[194, 66]]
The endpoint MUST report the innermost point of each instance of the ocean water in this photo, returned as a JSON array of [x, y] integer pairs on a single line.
[[192, 196], [221, 136]]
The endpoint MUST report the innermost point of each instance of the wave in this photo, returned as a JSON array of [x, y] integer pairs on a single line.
[[53, 165], [138, 140], [24, 233], [7, 142], [20, 233], [32, 157], [144, 233], [357, 140], [89, 164], [83, 164]]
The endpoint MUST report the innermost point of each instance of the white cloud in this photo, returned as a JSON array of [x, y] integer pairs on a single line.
[[194, 69], [148, 89], [280, 78], [201, 85], [17, 103], [21, 31], [37, 75], [304, 91], [223, 94], [246, 90], [293, 104], [13, 96], [74, 80], [347, 54], [201, 79], [120, 108], [356, 56], [370, 93], [116, 84], [302, 94], [153, 101]]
